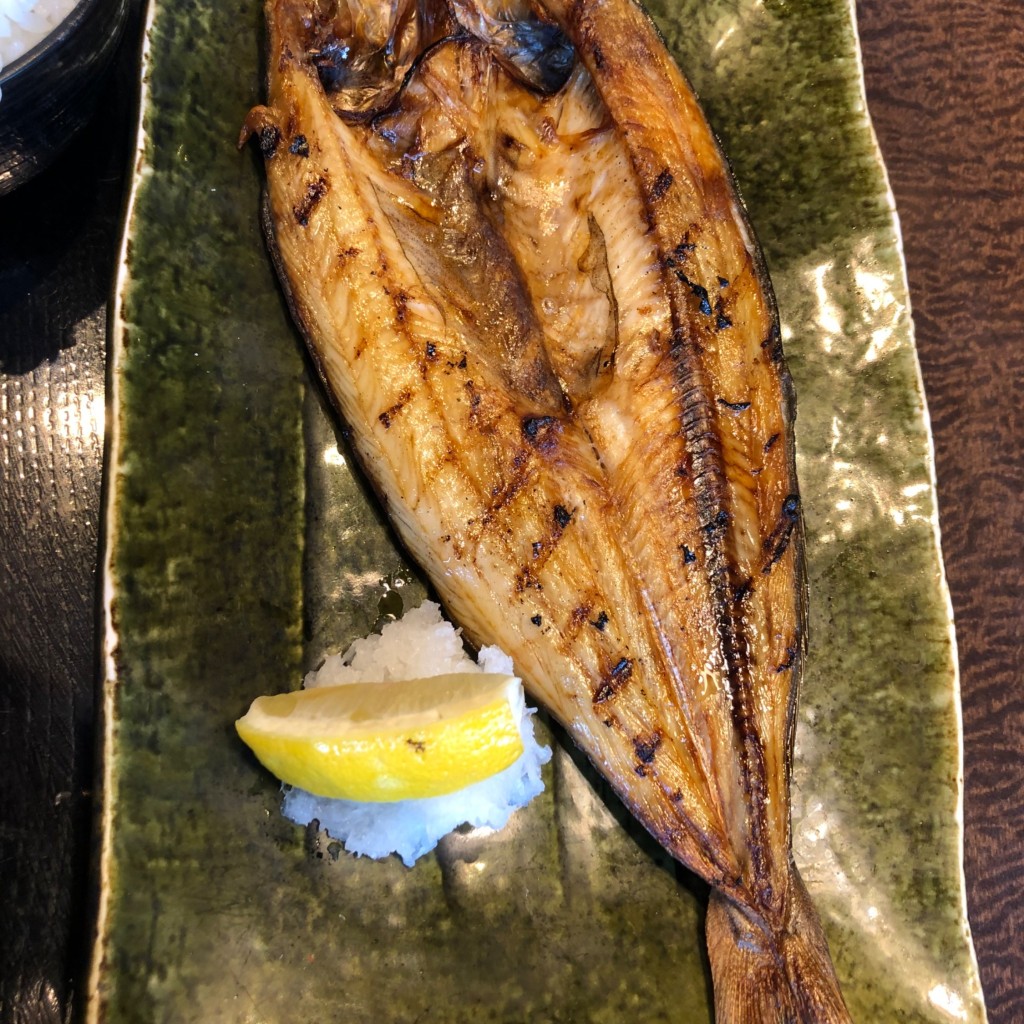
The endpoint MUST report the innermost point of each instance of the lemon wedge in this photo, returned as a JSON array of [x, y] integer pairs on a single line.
[[388, 741]]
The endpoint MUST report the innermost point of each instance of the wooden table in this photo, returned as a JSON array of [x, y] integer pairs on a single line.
[[946, 90]]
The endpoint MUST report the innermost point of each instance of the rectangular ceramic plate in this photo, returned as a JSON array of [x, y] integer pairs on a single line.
[[241, 549]]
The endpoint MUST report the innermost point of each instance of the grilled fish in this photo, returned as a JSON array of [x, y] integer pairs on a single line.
[[523, 272]]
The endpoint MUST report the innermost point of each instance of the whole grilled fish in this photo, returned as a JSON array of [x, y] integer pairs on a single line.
[[523, 272]]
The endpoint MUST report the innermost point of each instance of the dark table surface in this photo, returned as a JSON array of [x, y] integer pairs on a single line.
[[945, 87]]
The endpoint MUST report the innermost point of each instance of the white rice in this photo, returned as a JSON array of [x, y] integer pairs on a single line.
[[23, 23], [419, 644]]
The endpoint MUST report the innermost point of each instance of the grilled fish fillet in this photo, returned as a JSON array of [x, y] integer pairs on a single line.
[[523, 272]]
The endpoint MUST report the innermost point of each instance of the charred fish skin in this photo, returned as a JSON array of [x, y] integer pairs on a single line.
[[524, 274]]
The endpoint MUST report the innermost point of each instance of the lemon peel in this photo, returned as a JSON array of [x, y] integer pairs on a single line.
[[390, 741]]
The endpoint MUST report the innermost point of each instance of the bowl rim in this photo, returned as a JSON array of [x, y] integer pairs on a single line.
[[80, 10]]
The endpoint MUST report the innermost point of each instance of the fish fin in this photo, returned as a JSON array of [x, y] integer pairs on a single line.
[[766, 975]]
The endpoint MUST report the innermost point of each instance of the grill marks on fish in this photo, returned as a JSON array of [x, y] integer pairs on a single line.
[[724, 448], [564, 288], [642, 320], [445, 226], [549, 331], [528, 577], [466, 268]]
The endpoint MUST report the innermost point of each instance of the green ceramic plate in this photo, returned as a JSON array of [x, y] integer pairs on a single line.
[[241, 549]]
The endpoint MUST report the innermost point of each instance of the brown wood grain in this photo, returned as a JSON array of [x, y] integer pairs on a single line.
[[59, 237], [945, 86]]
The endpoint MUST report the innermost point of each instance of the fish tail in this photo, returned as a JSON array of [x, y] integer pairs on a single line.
[[772, 975]]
